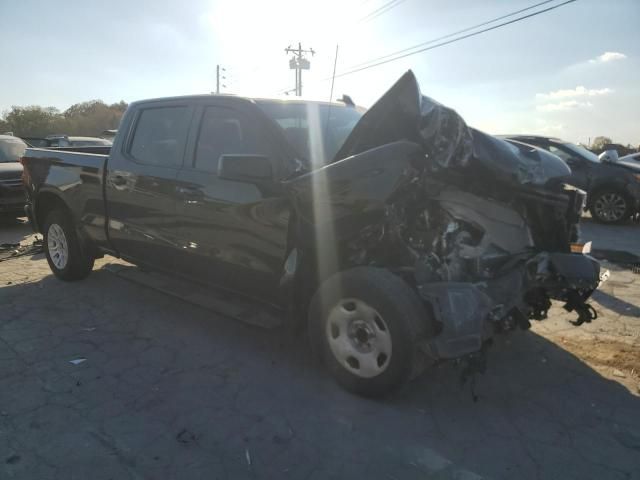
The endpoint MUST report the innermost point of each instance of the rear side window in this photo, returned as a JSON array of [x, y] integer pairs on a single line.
[[160, 136], [223, 131]]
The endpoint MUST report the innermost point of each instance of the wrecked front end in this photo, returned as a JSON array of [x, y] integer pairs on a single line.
[[480, 229]]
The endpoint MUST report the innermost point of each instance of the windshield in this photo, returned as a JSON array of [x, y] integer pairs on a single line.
[[316, 131], [11, 149], [582, 152]]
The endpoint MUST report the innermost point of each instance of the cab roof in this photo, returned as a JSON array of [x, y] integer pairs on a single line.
[[241, 98]]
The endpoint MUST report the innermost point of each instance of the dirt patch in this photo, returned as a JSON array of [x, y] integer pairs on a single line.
[[616, 355]]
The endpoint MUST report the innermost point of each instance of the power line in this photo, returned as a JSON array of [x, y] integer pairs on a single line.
[[428, 42], [382, 62], [380, 11]]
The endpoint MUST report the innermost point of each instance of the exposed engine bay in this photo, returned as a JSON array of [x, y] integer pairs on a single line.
[[480, 228]]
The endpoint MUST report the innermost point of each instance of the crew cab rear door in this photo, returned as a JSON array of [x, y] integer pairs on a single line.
[[140, 184], [233, 231]]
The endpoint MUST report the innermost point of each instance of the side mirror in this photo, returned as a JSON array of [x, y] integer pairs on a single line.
[[245, 168], [609, 156]]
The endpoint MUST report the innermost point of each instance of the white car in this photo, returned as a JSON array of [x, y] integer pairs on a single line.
[[633, 157]]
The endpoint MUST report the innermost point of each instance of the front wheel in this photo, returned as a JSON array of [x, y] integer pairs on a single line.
[[366, 324], [610, 206], [63, 248]]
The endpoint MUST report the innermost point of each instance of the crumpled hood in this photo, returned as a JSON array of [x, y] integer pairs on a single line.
[[448, 143]]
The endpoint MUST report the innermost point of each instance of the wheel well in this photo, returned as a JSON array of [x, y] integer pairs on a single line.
[[45, 203]]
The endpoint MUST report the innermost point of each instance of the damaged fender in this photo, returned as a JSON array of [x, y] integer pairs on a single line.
[[478, 227], [334, 203]]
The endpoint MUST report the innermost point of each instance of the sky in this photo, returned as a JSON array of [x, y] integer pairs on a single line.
[[573, 72]]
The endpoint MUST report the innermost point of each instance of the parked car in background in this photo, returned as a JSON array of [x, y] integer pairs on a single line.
[[397, 236], [634, 157], [88, 142], [12, 193], [54, 141], [613, 188], [109, 134]]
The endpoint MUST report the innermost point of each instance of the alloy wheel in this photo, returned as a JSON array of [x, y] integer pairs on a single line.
[[57, 246]]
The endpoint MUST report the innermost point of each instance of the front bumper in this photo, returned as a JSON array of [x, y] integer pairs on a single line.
[[470, 313]]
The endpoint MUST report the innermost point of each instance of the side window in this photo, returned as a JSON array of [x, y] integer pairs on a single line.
[[160, 136], [223, 131]]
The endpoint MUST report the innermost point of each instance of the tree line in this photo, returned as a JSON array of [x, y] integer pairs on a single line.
[[84, 119]]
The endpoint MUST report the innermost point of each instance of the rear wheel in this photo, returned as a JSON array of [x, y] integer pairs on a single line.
[[64, 250], [366, 323], [610, 206]]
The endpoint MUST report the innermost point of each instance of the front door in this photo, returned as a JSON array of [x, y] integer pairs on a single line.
[[232, 233]]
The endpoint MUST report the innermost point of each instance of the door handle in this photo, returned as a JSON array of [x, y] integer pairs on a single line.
[[190, 195], [189, 191]]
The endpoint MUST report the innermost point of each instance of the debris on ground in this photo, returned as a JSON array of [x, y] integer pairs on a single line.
[[618, 373], [185, 437], [10, 251]]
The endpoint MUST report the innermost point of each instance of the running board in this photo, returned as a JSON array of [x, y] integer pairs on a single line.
[[221, 302]]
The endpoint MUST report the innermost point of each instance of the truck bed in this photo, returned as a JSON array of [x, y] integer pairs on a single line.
[[76, 177]]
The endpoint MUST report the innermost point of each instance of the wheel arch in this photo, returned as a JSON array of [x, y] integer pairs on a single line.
[[304, 271], [46, 202]]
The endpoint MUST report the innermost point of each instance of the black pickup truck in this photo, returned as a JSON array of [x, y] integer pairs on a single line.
[[397, 236]]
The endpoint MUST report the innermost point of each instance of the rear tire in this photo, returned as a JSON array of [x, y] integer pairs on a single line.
[[365, 324], [67, 256], [610, 207]]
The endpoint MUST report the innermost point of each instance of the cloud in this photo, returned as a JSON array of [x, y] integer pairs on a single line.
[[579, 91], [561, 106], [550, 128], [608, 57]]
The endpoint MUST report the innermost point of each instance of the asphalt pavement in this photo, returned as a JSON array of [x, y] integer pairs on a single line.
[[112, 378]]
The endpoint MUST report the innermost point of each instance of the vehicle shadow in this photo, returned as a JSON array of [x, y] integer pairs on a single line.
[[616, 304], [255, 399]]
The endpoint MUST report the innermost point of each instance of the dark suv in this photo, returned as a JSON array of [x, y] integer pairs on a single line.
[[12, 195], [613, 188]]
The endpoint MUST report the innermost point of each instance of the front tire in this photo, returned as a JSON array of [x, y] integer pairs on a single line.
[[66, 255], [610, 207], [366, 323]]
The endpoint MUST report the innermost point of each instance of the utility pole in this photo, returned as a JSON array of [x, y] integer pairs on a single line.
[[218, 69], [298, 63]]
